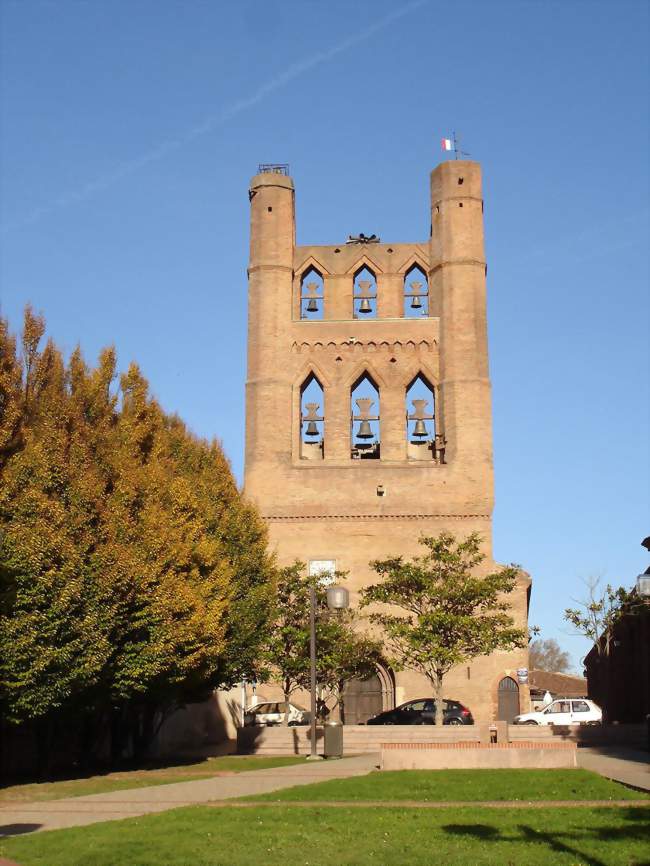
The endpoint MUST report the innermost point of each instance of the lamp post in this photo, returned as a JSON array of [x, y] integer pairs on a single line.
[[337, 599]]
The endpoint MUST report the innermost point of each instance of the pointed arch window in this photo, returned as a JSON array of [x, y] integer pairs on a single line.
[[365, 441], [312, 419], [365, 294], [422, 443], [416, 293], [312, 295]]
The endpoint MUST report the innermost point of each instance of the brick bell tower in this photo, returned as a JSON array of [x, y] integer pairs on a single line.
[[368, 415]]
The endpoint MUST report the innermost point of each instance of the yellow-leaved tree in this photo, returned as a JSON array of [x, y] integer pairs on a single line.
[[133, 576]]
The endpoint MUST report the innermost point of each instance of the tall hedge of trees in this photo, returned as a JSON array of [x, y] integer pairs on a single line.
[[133, 576]]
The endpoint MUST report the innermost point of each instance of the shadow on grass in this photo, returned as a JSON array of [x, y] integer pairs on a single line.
[[17, 829], [77, 774], [559, 841], [478, 831]]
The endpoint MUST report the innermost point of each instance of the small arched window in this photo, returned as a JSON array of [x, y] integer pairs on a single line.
[[365, 294], [365, 442], [416, 293], [312, 295], [312, 419], [422, 443]]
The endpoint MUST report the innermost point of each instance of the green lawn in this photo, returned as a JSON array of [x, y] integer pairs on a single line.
[[466, 785], [140, 778], [340, 836]]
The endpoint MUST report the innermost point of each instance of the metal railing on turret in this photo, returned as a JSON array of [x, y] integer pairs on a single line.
[[273, 168]]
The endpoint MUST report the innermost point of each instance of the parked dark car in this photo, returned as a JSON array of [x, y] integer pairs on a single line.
[[423, 712]]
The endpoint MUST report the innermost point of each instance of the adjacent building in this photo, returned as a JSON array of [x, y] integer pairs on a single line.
[[618, 668]]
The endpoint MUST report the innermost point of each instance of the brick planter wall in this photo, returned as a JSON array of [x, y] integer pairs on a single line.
[[454, 756]]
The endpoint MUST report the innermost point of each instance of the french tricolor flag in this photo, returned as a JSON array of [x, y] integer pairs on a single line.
[[447, 144]]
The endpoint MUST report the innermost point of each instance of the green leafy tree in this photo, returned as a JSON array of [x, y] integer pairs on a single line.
[[52, 639], [342, 650], [441, 613], [344, 653]]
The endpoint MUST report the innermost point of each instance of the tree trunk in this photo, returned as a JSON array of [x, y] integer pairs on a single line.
[[143, 733], [43, 747], [437, 693], [341, 702], [287, 695], [117, 736]]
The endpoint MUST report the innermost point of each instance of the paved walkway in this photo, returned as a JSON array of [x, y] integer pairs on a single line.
[[623, 765], [77, 811]]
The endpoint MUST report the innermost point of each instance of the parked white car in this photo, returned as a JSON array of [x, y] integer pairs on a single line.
[[564, 711], [273, 713]]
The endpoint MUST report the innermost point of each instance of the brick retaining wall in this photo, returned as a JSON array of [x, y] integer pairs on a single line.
[[447, 756]]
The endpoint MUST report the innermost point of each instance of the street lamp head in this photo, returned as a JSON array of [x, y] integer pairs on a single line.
[[643, 585], [338, 598]]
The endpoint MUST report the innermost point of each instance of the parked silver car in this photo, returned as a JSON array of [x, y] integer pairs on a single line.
[[274, 712]]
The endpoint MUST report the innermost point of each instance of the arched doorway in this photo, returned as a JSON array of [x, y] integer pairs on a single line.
[[365, 698], [508, 693]]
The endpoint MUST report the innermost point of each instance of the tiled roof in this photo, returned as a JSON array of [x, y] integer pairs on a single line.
[[563, 685]]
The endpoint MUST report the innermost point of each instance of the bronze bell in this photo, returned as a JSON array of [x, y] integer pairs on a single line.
[[312, 429], [364, 306], [312, 305], [415, 303], [420, 429], [365, 430]]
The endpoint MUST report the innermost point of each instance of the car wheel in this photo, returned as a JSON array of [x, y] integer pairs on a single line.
[[454, 722], [529, 722]]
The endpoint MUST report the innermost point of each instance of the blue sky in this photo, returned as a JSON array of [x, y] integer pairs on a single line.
[[130, 131]]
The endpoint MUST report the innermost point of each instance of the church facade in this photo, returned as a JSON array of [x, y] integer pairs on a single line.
[[368, 413]]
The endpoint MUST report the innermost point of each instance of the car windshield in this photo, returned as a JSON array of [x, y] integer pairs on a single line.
[[559, 707]]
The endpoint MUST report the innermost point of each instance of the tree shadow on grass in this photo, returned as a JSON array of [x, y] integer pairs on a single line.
[[479, 831], [559, 841], [76, 774], [17, 829], [485, 832]]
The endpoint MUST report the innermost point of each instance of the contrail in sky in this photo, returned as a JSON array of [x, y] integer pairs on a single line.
[[213, 121]]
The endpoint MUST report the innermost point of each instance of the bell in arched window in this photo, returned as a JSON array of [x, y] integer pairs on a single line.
[[312, 429], [365, 430], [420, 429], [312, 305], [416, 304], [364, 306]]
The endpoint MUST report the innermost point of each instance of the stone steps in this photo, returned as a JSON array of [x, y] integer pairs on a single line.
[[363, 739]]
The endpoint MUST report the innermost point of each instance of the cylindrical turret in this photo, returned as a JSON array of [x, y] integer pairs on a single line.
[[270, 271], [457, 280], [273, 228]]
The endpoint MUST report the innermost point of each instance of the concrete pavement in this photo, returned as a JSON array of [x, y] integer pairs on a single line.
[[78, 811], [622, 765], [628, 766]]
